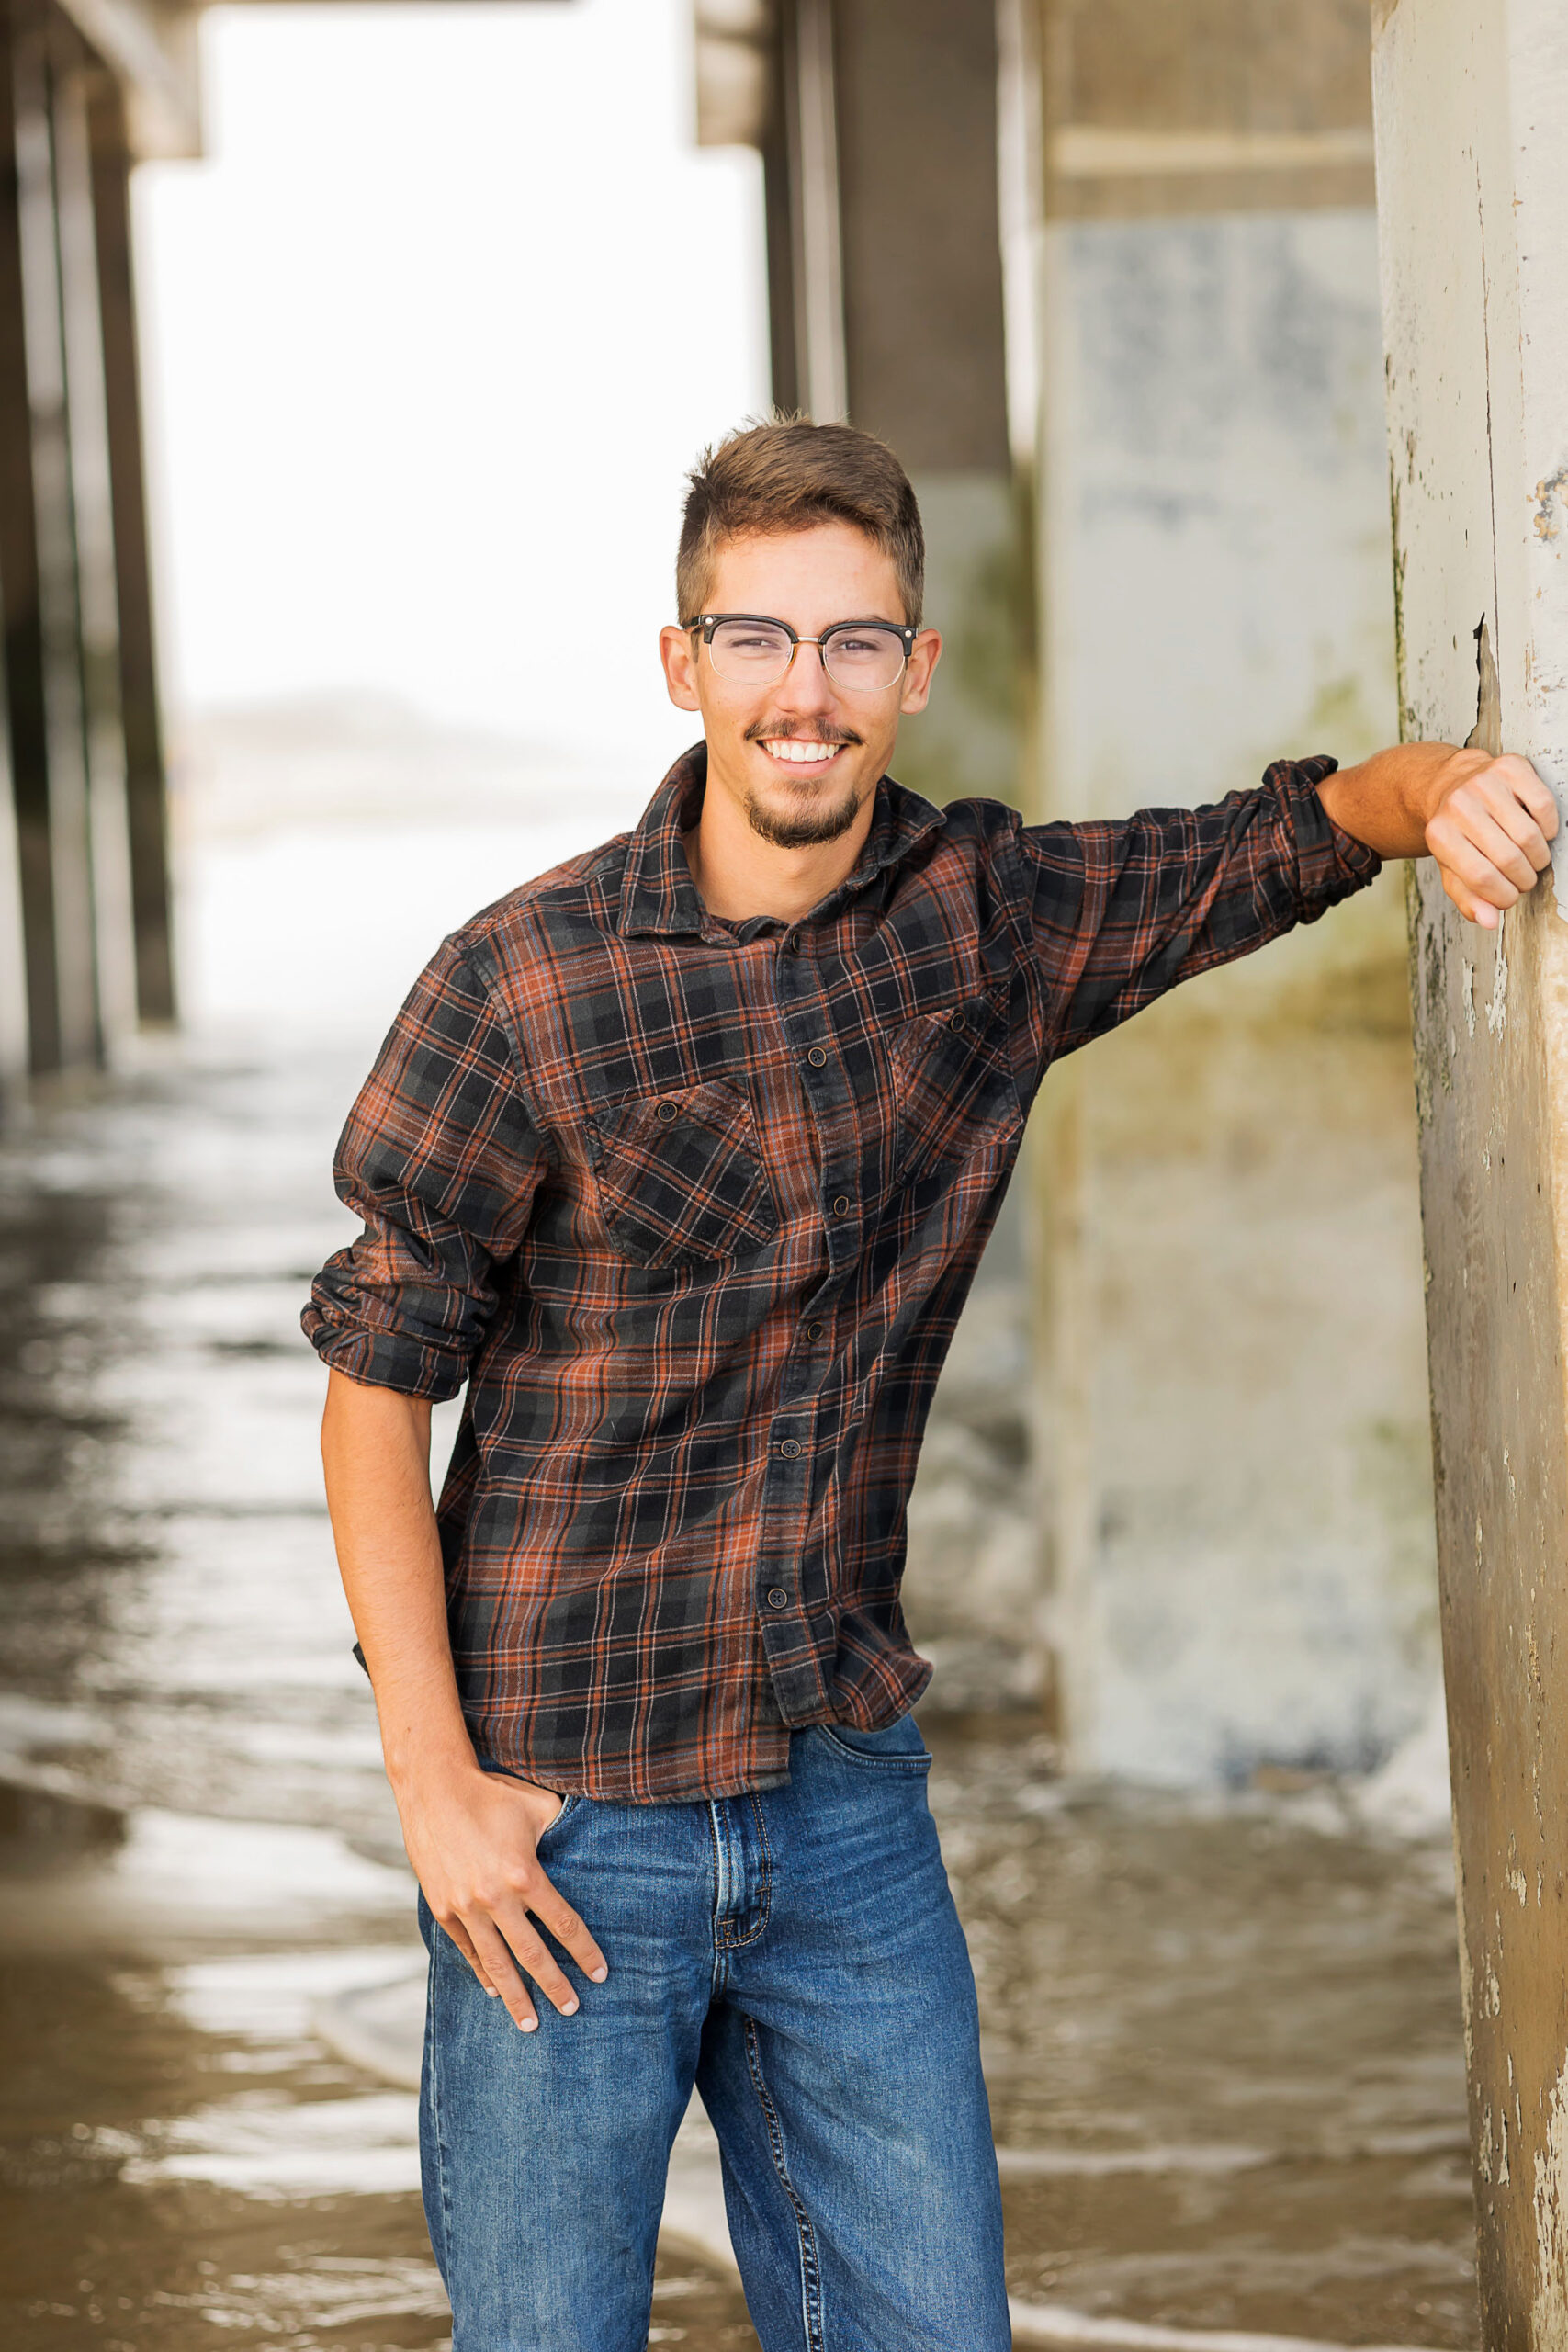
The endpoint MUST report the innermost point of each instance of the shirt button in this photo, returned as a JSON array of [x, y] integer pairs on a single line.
[[957, 1020], [777, 1597], [666, 1111], [789, 1449], [841, 1205], [814, 1331], [793, 943], [817, 1057]]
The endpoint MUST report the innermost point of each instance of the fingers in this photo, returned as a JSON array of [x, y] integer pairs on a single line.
[[499, 1967], [501, 1944], [1474, 909], [1491, 837], [1469, 839], [464, 1942], [1530, 791], [558, 1916]]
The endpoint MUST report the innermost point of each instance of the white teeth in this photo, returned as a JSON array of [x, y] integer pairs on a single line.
[[802, 752]]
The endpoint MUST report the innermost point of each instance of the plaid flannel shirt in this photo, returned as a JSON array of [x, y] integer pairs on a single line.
[[692, 1207]]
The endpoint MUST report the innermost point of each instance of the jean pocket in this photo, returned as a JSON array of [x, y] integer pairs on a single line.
[[896, 1748], [567, 1806]]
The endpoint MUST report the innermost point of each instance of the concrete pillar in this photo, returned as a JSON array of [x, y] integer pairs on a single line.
[[55, 550], [1233, 1419], [50, 1024], [925, 367], [876, 120], [146, 792], [95, 511], [1472, 192]]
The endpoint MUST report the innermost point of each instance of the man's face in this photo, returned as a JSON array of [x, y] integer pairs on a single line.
[[800, 757]]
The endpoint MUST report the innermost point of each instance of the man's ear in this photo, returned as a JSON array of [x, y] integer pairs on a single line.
[[678, 652], [924, 655]]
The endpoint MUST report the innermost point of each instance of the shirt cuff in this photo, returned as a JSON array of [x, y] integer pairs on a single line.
[[383, 1359], [1331, 863]]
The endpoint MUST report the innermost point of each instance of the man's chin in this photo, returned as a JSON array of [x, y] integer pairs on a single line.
[[803, 819], [794, 815]]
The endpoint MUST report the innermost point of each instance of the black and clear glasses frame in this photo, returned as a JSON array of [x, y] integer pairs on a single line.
[[759, 674]]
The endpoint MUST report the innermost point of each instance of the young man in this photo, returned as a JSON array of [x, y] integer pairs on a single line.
[[681, 1158]]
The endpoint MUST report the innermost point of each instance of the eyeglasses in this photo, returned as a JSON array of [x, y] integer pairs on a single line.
[[863, 657]]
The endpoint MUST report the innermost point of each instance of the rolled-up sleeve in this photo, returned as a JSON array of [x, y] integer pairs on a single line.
[[1120, 913], [442, 1161]]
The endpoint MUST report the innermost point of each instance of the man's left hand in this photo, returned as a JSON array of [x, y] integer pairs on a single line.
[[1490, 831], [1487, 820]]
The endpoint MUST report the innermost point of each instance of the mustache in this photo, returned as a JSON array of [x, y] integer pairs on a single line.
[[798, 731]]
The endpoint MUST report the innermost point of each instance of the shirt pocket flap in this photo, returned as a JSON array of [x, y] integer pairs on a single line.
[[953, 1084], [680, 1175]]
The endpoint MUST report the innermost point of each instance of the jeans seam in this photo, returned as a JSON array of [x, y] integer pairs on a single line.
[[810, 2269], [442, 2192], [720, 1946]]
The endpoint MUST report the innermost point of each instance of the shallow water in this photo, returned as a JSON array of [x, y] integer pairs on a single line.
[[1222, 2037]]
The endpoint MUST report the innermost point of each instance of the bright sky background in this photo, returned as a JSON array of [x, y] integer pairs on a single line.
[[431, 333]]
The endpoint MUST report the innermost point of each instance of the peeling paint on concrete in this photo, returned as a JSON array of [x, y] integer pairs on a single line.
[[1498, 1009], [1549, 2313], [1467, 990], [1548, 500], [1487, 735]]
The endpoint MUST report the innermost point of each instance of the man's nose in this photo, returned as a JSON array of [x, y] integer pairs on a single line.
[[805, 685]]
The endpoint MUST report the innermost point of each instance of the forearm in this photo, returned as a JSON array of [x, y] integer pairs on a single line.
[[376, 1456], [1387, 801]]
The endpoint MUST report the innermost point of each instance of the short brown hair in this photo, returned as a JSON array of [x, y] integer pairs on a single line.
[[786, 474]]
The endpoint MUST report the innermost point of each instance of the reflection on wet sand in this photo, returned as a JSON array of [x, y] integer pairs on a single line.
[[1222, 2037]]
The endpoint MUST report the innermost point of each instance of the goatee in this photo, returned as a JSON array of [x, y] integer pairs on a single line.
[[807, 826]]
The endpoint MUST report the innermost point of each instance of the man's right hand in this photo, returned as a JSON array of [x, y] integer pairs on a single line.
[[471, 1838]]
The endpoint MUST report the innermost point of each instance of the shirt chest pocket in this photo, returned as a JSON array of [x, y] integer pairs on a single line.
[[680, 1175], [953, 1093]]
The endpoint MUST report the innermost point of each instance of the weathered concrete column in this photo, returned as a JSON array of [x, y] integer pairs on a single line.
[[1235, 1417], [146, 793], [1472, 107], [94, 607], [51, 1023]]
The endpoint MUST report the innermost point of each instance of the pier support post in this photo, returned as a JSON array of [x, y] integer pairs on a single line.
[[146, 792], [1471, 114]]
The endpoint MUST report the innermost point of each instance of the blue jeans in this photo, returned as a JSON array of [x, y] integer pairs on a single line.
[[796, 1955]]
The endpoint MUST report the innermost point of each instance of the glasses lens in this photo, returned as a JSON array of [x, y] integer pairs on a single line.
[[758, 650], [863, 659]]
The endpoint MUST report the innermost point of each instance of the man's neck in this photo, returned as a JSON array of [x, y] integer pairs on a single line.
[[738, 875]]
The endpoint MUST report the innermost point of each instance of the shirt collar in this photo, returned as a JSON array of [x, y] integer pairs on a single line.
[[659, 899]]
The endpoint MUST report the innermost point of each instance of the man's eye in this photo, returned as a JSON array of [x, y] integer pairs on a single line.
[[751, 643]]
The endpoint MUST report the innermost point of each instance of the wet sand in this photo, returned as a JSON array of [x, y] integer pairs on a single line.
[[1223, 2036]]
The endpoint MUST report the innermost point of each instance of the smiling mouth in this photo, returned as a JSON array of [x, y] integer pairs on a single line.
[[801, 753]]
